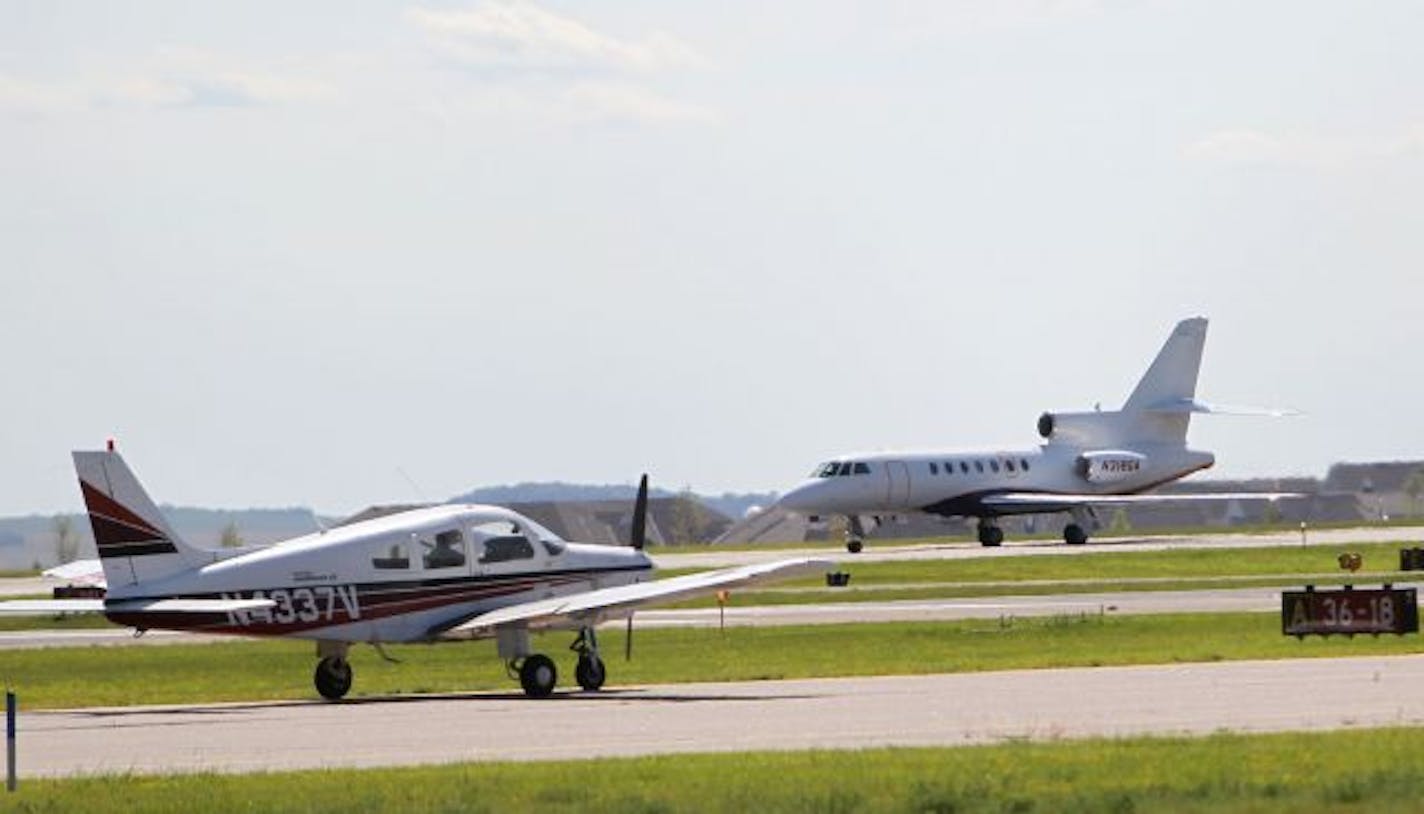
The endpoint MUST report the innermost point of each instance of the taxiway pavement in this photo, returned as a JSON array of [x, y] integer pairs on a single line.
[[929, 710], [715, 558]]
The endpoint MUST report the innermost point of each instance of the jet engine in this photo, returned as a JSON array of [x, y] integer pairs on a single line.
[[1109, 465]]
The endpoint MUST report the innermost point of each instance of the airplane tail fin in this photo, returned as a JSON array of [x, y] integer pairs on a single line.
[[135, 542], [1172, 378]]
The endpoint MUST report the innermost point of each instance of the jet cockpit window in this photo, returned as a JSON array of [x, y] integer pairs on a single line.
[[447, 551], [827, 470], [862, 469], [847, 468], [391, 557]]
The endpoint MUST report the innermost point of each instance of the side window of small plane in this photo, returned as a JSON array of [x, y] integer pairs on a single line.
[[934, 468], [448, 550], [391, 557], [505, 549], [979, 466]]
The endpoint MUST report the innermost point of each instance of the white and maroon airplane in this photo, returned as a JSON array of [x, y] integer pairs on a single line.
[[1088, 459], [440, 573]]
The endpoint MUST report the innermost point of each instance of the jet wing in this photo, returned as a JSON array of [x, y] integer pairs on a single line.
[[43, 606], [592, 607], [1028, 502]]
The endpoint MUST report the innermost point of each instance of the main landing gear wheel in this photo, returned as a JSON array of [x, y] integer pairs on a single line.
[[590, 672], [333, 678], [990, 535], [1073, 534], [538, 675]]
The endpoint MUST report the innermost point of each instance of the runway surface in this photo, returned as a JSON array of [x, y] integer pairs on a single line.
[[933, 710], [714, 558]]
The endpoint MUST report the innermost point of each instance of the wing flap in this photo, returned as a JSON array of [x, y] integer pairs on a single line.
[[592, 607]]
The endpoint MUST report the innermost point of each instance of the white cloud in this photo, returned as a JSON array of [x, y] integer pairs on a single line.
[[170, 79], [612, 100], [523, 37], [1256, 147]]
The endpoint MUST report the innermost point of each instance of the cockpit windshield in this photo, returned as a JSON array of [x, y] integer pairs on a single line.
[[838, 468]]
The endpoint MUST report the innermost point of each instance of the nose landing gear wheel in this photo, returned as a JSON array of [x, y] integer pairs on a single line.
[[1073, 534], [590, 672], [538, 675], [333, 678], [854, 546]]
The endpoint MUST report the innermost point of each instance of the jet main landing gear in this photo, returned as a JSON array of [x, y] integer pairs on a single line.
[[855, 534], [990, 535]]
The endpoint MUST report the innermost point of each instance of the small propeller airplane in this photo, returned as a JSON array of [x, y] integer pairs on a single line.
[[441, 573]]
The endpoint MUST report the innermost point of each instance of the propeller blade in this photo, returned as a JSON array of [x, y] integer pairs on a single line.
[[640, 515], [628, 640]]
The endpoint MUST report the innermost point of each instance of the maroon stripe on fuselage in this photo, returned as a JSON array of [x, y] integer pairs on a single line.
[[374, 602]]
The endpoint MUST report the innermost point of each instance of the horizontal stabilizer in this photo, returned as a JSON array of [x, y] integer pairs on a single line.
[[38, 607], [592, 607], [44, 606], [1183, 406], [1028, 502]]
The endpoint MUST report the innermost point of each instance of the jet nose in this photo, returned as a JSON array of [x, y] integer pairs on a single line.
[[801, 498]]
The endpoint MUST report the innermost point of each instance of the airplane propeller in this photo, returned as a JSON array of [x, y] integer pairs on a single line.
[[640, 515], [639, 538]]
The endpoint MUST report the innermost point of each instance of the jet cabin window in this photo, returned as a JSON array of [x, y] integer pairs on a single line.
[[964, 467], [448, 550], [934, 468], [1023, 462], [391, 557], [979, 466]]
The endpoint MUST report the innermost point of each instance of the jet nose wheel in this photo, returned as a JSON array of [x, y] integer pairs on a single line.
[[538, 675], [854, 546], [333, 678], [590, 672], [1074, 534]]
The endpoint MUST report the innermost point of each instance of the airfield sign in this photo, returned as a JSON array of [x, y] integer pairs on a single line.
[[1349, 611]]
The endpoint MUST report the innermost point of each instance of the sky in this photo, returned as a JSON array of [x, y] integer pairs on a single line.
[[333, 254]]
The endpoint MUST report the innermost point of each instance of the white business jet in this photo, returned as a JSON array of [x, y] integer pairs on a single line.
[[1088, 459], [440, 573]]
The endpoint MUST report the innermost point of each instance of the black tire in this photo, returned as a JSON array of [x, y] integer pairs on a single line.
[[990, 536], [1073, 534], [333, 678], [590, 672], [538, 675], [854, 546]]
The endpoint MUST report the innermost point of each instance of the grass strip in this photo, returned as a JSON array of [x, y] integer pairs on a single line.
[[1350, 771], [271, 670]]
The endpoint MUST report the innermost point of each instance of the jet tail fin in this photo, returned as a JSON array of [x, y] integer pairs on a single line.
[[1172, 378], [135, 542]]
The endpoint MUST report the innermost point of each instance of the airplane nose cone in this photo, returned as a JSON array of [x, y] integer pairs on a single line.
[[799, 499]]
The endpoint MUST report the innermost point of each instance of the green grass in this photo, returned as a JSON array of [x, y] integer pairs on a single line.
[[67, 621], [1352, 771], [269, 670]]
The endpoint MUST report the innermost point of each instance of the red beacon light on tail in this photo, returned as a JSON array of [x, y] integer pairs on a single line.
[[109, 444]]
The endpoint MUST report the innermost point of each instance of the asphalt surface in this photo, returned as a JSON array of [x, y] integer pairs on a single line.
[[932, 710], [714, 558]]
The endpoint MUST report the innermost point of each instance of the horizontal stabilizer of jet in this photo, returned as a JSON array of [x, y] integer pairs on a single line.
[[1179, 406], [593, 606]]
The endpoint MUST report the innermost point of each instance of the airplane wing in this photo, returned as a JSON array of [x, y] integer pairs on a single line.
[[1028, 502], [592, 607], [43, 606], [81, 572]]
